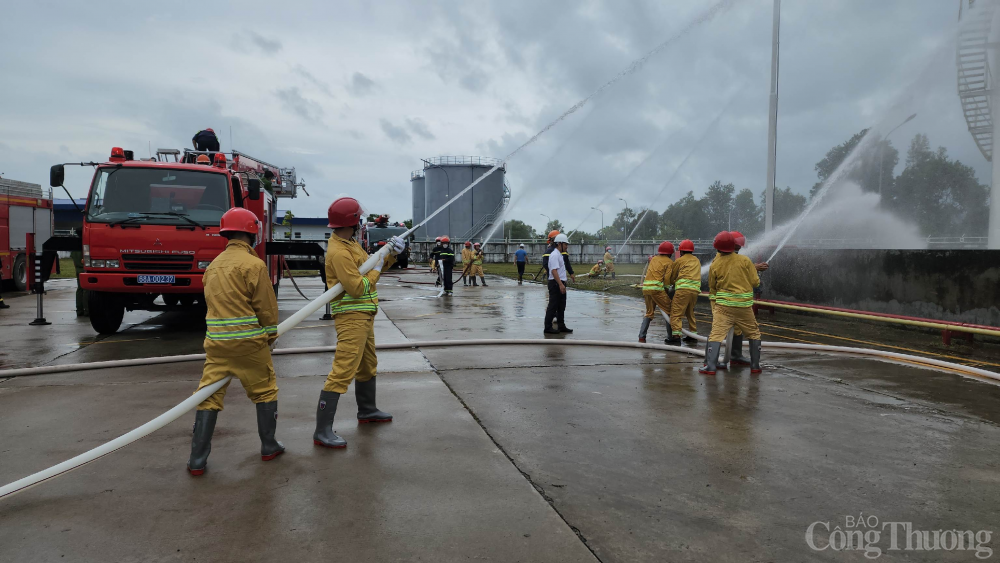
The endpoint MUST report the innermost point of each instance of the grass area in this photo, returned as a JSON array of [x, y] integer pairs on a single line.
[[66, 270], [628, 276]]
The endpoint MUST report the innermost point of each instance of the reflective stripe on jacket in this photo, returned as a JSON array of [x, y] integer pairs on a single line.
[[657, 273], [343, 258], [608, 258], [732, 278], [242, 313], [685, 273]]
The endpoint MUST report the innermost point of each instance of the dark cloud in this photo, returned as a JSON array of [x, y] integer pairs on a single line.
[[419, 128], [293, 101], [397, 134], [361, 85], [266, 46], [315, 82]]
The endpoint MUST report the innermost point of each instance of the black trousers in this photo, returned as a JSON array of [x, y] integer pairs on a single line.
[[447, 275], [520, 270], [557, 305]]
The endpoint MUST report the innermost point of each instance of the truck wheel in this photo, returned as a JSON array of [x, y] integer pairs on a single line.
[[171, 300], [106, 312], [20, 273]]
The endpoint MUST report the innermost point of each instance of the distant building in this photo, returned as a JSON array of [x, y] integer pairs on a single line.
[[302, 228]]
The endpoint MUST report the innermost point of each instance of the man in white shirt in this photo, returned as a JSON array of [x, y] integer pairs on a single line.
[[557, 288]]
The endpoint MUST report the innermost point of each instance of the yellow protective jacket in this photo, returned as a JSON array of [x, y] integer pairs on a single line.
[[732, 278], [608, 258], [343, 258], [467, 255], [685, 273], [596, 269], [477, 258], [242, 309], [657, 273]]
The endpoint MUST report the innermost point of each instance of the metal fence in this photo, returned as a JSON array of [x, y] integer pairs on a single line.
[[463, 160]]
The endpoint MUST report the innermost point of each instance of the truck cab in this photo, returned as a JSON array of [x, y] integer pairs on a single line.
[[151, 228]]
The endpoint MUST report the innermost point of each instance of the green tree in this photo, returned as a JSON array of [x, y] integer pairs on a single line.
[[718, 203], [787, 205], [553, 225], [623, 224], [668, 230], [688, 216], [520, 230], [408, 223], [878, 160], [286, 221], [747, 216], [942, 196], [646, 225]]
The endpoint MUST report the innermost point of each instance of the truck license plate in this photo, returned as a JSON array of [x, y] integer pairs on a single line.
[[156, 279]]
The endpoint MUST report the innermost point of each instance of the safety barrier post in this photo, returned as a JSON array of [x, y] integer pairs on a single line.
[[36, 283]]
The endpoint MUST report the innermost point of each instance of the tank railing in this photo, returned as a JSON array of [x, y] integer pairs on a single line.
[[17, 188], [416, 174], [461, 161], [487, 219]]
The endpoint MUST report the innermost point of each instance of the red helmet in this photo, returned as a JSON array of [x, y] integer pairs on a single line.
[[686, 246], [553, 234], [738, 238], [477, 245], [607, 249], [445, 239], [437, 239], [345, 212], [239, 220], [468, 244], [210, 130], [666, 247], [724, 242]]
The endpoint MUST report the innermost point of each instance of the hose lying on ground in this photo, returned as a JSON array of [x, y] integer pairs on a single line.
[[202, 394]]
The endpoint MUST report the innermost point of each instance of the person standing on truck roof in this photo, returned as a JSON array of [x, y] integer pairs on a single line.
[[521, 259], [354, 318], [205, 140], [242, 326]]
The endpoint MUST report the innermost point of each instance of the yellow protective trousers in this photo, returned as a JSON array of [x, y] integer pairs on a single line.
[[254, 370], [736, 331], [355, 355], [656, 299], [683, 306], [739, 318], [476, 270]]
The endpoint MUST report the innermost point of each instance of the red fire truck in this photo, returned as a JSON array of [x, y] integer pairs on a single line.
[[24, 208], [151, 227]]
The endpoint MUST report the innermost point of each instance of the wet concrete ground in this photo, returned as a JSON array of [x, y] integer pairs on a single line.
[[497, 453]]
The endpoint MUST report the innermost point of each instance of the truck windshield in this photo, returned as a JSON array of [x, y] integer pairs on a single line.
[[158, 196]]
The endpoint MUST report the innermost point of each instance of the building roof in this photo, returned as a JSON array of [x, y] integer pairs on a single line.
[[66, 204], [318, 221]]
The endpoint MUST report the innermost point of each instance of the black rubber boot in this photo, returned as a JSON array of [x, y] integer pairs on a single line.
[[565, 329], [3, 305], [672, 340], [755, 356], [484, 280], [327, 409], [644, 328], [474, 282], [267, 423], [736, 356], [711, 359], [364, 392], [201, 441]]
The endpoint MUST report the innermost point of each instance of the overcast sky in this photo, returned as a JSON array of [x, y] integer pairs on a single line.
[[353, 94]]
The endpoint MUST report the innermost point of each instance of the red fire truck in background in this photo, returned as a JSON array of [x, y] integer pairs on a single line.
[[151, 227], [24, 208]]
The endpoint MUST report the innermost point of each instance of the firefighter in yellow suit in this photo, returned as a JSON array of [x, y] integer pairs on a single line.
[[242, 326], [685, 276], [467, 257], [477, 265], [654, 285], [732, 278], [609, 263], [354, 318], [596, 269]]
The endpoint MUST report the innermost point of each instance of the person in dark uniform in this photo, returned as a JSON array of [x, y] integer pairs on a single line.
[[447, 257], [435, 256], [205, 140]]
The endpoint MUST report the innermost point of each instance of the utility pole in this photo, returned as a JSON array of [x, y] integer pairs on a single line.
[[772, 128]]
